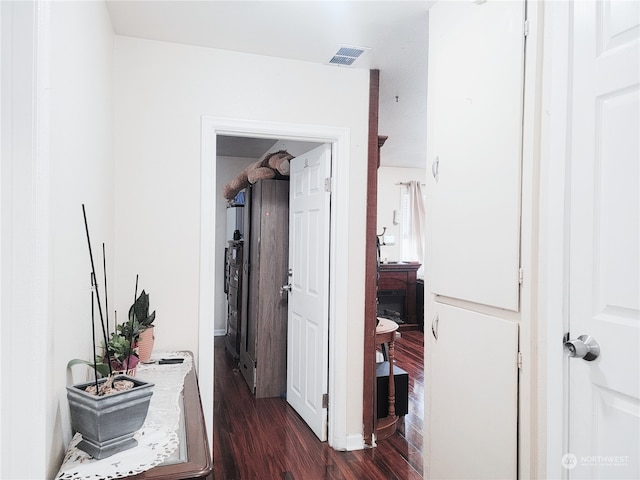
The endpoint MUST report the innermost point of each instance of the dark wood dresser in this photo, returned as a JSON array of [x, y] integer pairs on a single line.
[[234, 297]]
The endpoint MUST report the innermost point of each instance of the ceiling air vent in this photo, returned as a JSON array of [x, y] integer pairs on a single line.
[[342, 60], [346, 55]]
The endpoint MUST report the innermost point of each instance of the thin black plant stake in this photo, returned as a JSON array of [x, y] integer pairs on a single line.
[[93, 338], [93, 279], [106, 296], [131, 321], [94, 288]]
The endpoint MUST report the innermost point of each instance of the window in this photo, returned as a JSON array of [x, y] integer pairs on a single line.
[[412, 223]]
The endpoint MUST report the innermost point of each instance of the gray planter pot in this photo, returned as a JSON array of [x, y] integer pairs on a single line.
[[107, 423]]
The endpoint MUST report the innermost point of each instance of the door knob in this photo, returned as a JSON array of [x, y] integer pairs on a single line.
[[584, 347], [285, 288]]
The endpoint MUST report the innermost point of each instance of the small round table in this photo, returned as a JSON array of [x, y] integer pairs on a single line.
[[386, 333]]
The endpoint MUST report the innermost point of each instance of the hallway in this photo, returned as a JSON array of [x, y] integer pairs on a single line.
[[266, 439]]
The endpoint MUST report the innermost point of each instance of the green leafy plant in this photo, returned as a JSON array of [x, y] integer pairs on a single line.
[[130, 329], [139, 313], [119, 351]]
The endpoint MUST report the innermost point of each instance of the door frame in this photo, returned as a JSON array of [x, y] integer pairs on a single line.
[[27, 416], [339, 138], [554, 235]]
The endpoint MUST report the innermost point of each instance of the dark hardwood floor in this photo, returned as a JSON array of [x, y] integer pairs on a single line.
[[266, 439]]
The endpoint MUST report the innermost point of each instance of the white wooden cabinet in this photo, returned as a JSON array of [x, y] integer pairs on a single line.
[[473, 427], [476, 68], [474, 151]]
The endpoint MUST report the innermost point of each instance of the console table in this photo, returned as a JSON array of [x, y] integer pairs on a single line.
[[397, 290], [194, 460], [172, 444]]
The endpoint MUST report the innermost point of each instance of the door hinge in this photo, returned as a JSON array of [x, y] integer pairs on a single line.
[[520, 275], [526, 28], [325, 400], [327, 184], [519, 361]]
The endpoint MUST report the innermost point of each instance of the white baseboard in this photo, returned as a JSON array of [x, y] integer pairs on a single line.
[[355, 442]]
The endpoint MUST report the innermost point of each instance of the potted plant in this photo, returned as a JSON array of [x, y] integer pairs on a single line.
[[108, 411], [139, 316], [109, 420], [120, 352]]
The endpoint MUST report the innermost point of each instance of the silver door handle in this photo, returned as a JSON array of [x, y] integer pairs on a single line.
[[584, 347], [285, 288], [435, 168], [434, 326]]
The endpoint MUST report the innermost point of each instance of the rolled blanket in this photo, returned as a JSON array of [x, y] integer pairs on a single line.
[[261, 173], [278, 161], [284, 168], [251, 167], [232, 188]]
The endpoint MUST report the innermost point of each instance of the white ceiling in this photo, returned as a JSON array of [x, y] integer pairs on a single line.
[[395, 31]]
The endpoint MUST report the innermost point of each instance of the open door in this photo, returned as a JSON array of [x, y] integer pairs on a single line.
[[308, 321], [603, 421]]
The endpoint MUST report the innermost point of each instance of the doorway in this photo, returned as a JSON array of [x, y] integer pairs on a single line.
[[279, 331], [338, 138]]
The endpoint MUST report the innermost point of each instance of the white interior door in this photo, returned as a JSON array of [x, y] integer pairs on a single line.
[[604, 285], [476, 69], [474, 396], [308, 327]]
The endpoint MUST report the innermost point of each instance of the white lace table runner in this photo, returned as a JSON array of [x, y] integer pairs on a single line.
[[157, 439]]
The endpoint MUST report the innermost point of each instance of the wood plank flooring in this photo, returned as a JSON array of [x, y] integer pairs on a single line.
[[266, 439]]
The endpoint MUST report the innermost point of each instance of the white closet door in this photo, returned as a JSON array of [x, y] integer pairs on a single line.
[[476, 68], [473, 396]]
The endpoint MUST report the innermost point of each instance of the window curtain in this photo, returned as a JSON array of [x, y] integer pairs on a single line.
[[414, 237]]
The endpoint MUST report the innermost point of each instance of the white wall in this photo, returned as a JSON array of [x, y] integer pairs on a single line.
[[389, 200], [59, 155], [226, 169], [162, 91], [81, 172]]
